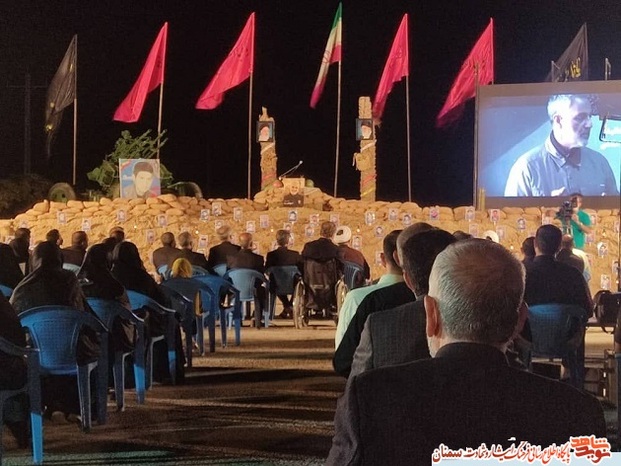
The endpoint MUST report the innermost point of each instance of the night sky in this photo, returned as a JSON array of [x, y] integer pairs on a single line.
[[210, 147]]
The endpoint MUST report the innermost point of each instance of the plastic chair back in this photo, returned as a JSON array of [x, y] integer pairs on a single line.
[[54, 331], [220, 269], [6, 291], [219, 286], [71, 267], [198, 271], [107, 310], [244, 280], [138, 301], [353, 275], [282, 278], [557, 332], [163, 272], [33, 388]]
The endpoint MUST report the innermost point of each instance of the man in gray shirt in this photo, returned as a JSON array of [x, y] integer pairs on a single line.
[[563, 164]]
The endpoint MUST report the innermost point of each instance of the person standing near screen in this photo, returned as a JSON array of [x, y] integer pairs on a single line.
[[563, 164]]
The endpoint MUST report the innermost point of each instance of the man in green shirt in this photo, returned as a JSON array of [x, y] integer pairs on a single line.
[[580, 221]]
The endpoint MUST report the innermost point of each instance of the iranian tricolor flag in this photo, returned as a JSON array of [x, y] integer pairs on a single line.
[[332, 54]]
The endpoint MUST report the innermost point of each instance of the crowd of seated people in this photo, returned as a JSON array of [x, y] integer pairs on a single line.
[[414, 309]]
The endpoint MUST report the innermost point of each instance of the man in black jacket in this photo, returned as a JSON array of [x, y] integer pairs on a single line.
[[466, 394]]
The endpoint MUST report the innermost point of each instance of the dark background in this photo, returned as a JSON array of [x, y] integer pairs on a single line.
[[210, 148]]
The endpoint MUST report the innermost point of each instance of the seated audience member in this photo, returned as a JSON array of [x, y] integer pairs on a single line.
[[566, 255], [528, 250], [246, 259], [280, 257], [195, 258], [13, 374], [466, 394], [346, 253], [21, 248], [398, 335], [50, 284], [182, 268], [128, 269], [379, 300], [75, 253], [54, 236], [118, 233], [98, 282], [219, 254], [10, 272], [461, 235], [322, 249], [353, 298], [166, 255]]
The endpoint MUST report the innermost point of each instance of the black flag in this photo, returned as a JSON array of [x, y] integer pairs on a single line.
[[60, 94], [573, 65]]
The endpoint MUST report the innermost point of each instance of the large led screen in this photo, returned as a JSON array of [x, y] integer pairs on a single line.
[[523, 158]]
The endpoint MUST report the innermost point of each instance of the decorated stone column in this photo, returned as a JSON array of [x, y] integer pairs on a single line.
[[365, 159], [268, 156]]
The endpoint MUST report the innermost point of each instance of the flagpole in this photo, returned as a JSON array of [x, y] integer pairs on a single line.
[[476, 200], [407, 124], [159, 115], [338, 131], [250, 133], [75, 113]]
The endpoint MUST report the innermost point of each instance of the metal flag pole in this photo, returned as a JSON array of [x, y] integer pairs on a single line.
[[159, 115], [407, 124], [75, 113], [250, 133], [338, 131], [607, 69]]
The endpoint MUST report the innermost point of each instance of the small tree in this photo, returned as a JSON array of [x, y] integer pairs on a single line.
[[129, 147]]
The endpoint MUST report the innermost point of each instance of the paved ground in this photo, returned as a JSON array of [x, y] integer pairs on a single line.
[[268, 402]]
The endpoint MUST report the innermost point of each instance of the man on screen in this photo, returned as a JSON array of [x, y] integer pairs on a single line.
[[563, 164]]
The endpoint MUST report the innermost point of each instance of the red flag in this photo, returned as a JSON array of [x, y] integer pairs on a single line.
[[151, 76], [479, 63], [235, 69], [396, 68]]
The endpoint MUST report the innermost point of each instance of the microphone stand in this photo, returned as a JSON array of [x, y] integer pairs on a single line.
[[291, 170]]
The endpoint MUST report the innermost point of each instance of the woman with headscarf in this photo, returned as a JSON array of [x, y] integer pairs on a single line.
[[128, 269], [98, 282], [50, 284], [10, 271]]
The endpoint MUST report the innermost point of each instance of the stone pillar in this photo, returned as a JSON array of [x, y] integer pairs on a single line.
[[365, 159], [268, 155]]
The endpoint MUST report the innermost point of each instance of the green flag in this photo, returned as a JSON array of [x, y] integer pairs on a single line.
[[61, 93]]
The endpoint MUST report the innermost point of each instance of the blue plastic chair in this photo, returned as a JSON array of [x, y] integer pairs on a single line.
[[54, 330], [138, 301], [220, 269], [198, 271], [353, 274], [282, 280], [33, 389], [107, 310], [6, 291], [244, 280], [187, 289], [557, 332], [71, 267], [219, 287], [163, 272]]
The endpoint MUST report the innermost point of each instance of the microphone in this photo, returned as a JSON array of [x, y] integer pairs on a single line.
[[291, 170]]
